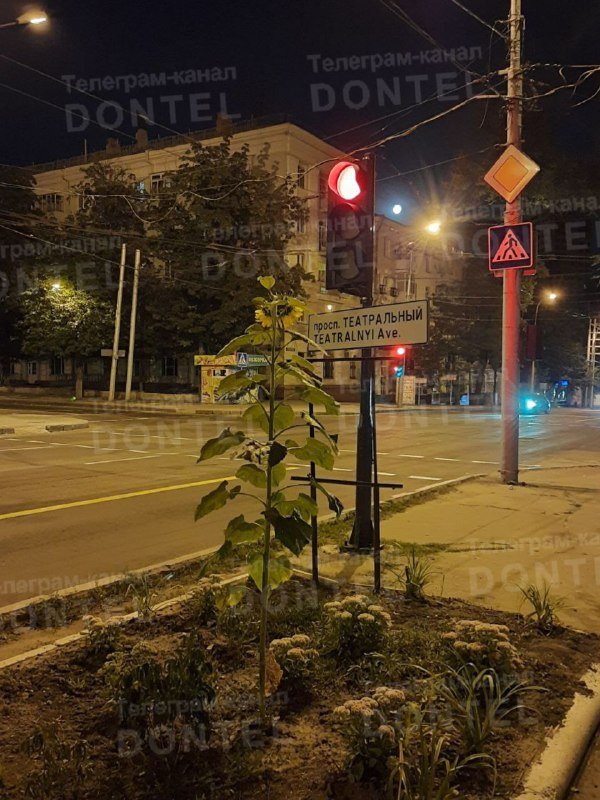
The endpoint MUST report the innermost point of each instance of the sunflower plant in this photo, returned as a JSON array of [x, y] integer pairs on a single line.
[[282, 522]]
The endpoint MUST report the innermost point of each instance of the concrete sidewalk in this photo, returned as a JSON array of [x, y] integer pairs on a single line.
[[23, 424], [488, 539]]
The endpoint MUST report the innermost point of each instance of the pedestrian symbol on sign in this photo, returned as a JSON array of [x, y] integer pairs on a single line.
[[242, 359], [511, 249], [511, 246]]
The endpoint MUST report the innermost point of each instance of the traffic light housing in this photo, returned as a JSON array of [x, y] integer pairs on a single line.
[[399, 371], [350, 208]]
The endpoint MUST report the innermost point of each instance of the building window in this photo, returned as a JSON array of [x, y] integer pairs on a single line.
[[322, 235], [158, 182], [57, 366], [51, 202], [328, 369], [300, 224], [301, 177], [353, 370], [169, 369], [32, 367]]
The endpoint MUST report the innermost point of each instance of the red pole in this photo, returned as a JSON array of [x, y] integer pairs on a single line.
[[511, 311]]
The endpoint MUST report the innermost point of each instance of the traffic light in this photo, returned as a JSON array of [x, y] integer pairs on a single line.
[[399, 371], [350, 199]]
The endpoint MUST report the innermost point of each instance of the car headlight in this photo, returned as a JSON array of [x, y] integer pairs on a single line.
[[530, 404]]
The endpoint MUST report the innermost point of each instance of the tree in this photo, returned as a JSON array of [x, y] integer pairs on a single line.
[[60, 320], [221, 220], [17, 201]]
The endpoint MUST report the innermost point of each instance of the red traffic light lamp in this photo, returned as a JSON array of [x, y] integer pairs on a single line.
[[401, 351], [350, 212], [344, 180]]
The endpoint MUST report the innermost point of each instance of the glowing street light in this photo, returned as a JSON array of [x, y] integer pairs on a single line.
[[396, 209], [434, 227], [28, 18], [56, 286]]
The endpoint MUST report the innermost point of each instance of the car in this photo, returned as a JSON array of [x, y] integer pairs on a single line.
[[534, 404]]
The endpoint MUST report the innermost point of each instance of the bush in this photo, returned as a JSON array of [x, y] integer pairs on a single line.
[[298, 661], [150, 689], [101, 638], [369, 727], [355, 626], [202, 606], [484, 645], [544, 606]]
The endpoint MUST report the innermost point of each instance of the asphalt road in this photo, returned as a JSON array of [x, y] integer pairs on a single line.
[[121, 495]]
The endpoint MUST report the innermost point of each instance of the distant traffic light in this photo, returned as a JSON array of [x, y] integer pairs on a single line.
[[399, 371], [350, 205]]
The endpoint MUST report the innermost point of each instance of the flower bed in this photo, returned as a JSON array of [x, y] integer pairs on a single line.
[[168, 708]]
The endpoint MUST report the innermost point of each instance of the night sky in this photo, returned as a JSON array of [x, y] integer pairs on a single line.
[[268, 42]]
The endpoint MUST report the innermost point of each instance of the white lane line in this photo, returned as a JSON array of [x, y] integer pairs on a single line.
[[114, 460], [341, 469], [485, 462], [389, 474], [379, 452], [440, 458], [408, 455], [16, 449], [424, 478], [33, 441]]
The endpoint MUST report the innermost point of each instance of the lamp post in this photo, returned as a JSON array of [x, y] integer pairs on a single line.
[[29, 18], [550, 297]]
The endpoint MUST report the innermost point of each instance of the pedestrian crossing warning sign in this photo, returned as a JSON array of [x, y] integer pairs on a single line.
[[511, 246]]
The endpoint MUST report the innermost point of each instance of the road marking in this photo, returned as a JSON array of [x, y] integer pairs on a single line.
[[407, 455], [485, 462], [114, 460], [15, 449], [340, 469], [32, 441], [379, 452], [440, 458], [111, 498], [389, 474], [424, 478]]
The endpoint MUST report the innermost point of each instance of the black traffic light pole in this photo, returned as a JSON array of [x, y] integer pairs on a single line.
[[362, 530]]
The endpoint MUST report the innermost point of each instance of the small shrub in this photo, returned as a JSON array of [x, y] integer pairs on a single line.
[[140, 590], [60, 767], [101, 638], [150, 689], [355, 626], [369, 727], [544, 604], [480, 702], [415, 575], [52, 612], [202, 606], [298, 661], [484, 645], [426, 766]]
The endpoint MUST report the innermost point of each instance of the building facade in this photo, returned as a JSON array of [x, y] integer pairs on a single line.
[[406, 268]]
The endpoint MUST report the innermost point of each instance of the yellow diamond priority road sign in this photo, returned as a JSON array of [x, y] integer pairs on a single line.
[[511, 173]]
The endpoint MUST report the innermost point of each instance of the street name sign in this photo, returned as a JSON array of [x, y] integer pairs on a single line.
[[511, 246], [378, 326], [511, 173]]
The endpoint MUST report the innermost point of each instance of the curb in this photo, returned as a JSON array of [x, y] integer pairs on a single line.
[[551, 775], [4, 431], [75, 426]]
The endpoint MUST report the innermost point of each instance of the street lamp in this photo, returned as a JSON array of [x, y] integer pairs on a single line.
[[396, 209], [28, 18], [549, 297], [434, 227], [56, 286]]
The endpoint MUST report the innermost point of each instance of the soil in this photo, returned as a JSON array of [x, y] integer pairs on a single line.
[[305, 757]]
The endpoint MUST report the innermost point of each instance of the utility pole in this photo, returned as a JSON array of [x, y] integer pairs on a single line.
[[511, 311], [115, 351], [593, 357], [134, 297]]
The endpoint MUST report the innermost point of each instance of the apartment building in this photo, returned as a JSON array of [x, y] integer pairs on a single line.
[[405, 269]]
